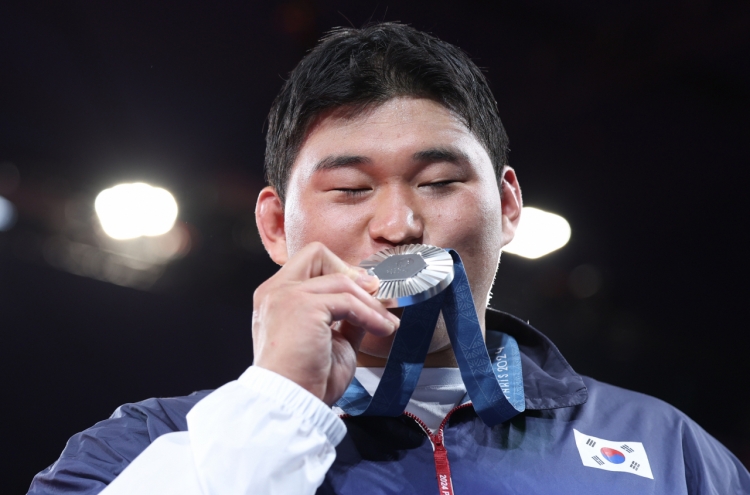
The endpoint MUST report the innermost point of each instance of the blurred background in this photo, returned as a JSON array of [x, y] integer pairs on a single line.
[[629, 119]]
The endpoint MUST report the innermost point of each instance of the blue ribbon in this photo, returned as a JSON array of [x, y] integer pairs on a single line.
[[494, 386]]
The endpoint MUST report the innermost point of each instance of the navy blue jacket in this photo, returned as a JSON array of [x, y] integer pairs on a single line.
[[534, 453]]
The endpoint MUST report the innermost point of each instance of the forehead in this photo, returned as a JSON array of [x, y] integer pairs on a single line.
[[394, 130]]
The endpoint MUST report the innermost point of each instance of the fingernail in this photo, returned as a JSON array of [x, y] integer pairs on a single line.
[[394, 319], [366, 280], [391, 326]]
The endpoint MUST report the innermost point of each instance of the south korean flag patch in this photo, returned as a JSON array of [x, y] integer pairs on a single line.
[[625, 457]]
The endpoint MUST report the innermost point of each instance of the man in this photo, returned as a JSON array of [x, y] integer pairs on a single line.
[[384, 137]]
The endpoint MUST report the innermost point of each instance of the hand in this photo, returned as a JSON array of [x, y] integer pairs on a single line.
[[310, 317]]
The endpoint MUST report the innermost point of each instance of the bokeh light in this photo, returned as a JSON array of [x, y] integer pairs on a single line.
[[539, 232], [7, 214], [128, 211]]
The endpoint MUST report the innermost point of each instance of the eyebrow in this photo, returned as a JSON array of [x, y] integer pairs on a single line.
[[429, 155], [449, 155], [332, 162]]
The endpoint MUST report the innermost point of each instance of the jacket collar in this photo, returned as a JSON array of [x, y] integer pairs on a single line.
[[549, 381]]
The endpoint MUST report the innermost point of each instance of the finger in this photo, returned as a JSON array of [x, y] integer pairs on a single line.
[[339, 283], [346, 307], [353, 334], [315, 260]]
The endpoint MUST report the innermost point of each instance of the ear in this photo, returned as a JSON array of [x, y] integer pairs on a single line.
[[269, 217], [511, 203]]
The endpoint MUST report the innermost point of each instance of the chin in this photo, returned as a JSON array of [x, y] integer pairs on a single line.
[[381, 347], [375, 346], [438, 345]]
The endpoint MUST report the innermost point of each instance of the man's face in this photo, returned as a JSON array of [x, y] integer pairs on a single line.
[[407, 171]]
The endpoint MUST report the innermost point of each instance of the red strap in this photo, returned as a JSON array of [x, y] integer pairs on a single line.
[[443, 469]]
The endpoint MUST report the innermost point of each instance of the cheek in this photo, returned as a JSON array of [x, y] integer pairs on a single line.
[[489, 236], [296, 233], [476, 233], [312, 220], [295, 222], [489, 211], [472, 223]]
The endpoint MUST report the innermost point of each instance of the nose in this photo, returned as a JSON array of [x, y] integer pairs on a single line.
[[396, 218]]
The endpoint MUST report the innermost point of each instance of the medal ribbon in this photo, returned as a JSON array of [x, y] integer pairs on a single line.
[[495, 386]]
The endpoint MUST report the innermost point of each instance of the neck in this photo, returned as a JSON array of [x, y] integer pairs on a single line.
[[442, 358]]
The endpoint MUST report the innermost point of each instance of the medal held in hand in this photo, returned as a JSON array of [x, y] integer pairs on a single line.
[[410, 274], [430, 281]]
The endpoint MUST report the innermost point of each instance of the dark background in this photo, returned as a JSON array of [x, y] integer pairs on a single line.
[[628, 118]]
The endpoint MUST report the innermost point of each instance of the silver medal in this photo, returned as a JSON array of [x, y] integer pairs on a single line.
[[410, 274]]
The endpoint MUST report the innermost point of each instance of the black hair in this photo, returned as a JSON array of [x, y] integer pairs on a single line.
[[369, 66]]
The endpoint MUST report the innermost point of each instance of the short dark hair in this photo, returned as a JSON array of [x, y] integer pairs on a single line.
[[369, 66]]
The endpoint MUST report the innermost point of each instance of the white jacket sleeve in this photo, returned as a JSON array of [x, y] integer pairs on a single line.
[[261, 434]]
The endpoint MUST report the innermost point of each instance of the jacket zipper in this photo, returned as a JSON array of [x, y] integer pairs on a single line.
[[440, 453]]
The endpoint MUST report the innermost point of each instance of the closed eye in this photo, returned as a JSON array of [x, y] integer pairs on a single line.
[[353, 192], [440, 184]]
